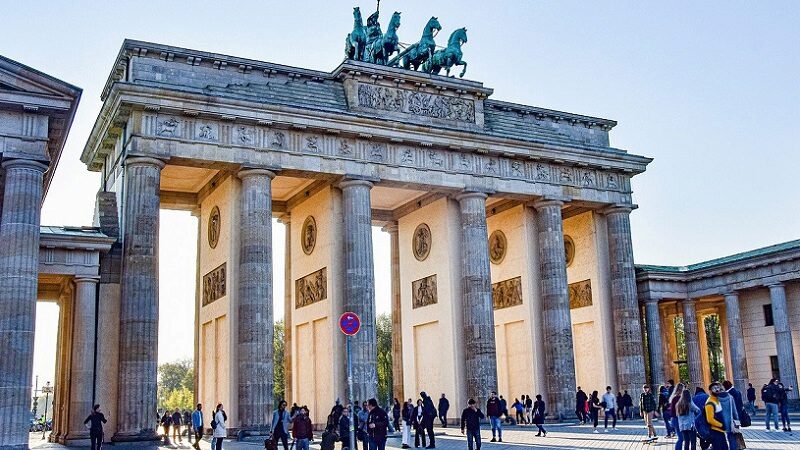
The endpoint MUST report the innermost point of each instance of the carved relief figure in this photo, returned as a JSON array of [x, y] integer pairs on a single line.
[[421, 242], [435, 158], [214, 224], [168, 127], [465, 162], [344, 147], [308, 238], [407, 157], [491, 166], [312, 143], [542, 173], [423, 292], [516, 168], [497, 247], [244, 135], [569, 249], [611, 182], [214, 284], [280, 139], [417, 103], [376, 152], [507, 293], [580, 294], [312, 288], [206, 132], [588, 178], [566, 175]]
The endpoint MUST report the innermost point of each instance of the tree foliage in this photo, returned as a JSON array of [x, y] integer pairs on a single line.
[[714, 347], [384, 335], [279, 355], [176, 385]]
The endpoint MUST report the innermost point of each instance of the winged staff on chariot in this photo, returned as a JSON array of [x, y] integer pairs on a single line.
[[369, 43]]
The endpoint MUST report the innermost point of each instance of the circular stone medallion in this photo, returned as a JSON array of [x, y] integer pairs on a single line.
[[308, 237], [569, 249], [421, 243], [214, 225], [497, 247]]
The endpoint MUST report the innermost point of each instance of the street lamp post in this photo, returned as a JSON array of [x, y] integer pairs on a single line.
[[47, 389]]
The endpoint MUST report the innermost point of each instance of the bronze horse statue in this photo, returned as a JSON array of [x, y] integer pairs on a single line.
[[383, 47], [450, 56], [355, 43], [423, 50]]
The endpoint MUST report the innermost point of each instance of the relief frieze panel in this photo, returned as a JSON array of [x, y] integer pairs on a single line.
[[311, 289], [215, 284], [416, 103], [462, 161], [580, 294], [423, 292], [507, 293]]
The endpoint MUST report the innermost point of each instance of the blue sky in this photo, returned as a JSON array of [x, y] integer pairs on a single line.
[[709, 89]]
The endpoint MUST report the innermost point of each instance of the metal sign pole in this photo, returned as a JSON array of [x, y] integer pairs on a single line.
[[352, 398]]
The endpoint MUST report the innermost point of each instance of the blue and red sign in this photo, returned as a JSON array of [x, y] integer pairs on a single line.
[[349, 323]]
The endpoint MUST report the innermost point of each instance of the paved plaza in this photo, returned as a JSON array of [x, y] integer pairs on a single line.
[[629, 435]]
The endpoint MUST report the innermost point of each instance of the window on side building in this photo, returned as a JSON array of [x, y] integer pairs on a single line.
[[768, 322]]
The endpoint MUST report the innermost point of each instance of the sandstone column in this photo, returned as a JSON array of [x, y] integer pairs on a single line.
[[690, 332], [359, 284], [783, 338], [654, 341], [256, 326], [736, 341], [83, 346], [138, 316], [288, 307], [627, 318], [397, 322], [556, 322], [478, 309], [19, 280]]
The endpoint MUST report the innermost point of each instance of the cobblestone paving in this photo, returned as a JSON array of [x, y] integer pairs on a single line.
[[628, 436]]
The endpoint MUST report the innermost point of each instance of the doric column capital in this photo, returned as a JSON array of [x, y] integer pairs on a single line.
[[775, 285], [652, 299], [730, 293], [391, 227], [545, 202], [285, 218], [618, 208], [144, 161], [24, 164], [244, 173], [351, 182], [467, 194], [87, 279]]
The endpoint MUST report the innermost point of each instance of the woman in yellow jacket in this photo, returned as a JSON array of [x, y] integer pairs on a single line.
[[720, 414]]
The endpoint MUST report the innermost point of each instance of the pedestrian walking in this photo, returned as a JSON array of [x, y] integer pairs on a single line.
[[686, 412], [302, 430], [503, 408], [539, 413], [218, 425], [594, 409], [771, 397], [664, 393], [519, 410], [721, 416], [673, 400], [187, 425], [280, 425], [528, 409], [580, 405], [627, 404], [429, 417], [177, 421], [610, 401], [344, 428], [95, 421], [396, 413], [494, 411], [377, 426], [197, 424], [443, 407], [471, 422], [419, 424], [166, 423], [751, 399], [647, 408]]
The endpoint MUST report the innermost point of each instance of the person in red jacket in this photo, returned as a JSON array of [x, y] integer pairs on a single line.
[[302, 431]]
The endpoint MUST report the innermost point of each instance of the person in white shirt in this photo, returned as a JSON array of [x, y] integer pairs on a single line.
[[220, 432], [610, 401]]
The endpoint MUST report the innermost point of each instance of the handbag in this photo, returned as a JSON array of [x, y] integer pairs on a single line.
[[740, 441], [271, 443]]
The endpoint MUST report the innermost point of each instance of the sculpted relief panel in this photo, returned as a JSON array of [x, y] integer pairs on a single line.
[[507, 293], [311, 289], [580, 294], [423, 292], [416, 103], [215, 284]]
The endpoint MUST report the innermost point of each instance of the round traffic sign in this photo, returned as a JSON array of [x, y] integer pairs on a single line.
[[349, 323]]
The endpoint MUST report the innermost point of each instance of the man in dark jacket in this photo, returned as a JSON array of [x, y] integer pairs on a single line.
[[751, 399], [97, 420], [471, 419], [302, 430], [429, 415], [444, 406], [580, 405], [177, 421], [771, 397], [377, 425], [494, 410], [627, 404]]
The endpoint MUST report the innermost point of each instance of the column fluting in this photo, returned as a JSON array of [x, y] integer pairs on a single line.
[[736, 341], [691, 338], [83, 350], [654, 341], [783, 338]]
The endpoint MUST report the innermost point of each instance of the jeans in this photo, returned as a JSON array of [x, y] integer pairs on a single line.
[[593, 414], [373, 444], [301, 444], [668, 421], [784, 409], [443, 418], [772, 411], [750, 407], [96, 439], [719, 441], [732, 444], [474, 435], [689, 439], [496, 425], [611, 412], [280, 433], [218, 443], [198, 434]]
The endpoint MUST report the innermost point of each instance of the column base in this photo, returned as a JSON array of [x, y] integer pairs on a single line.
[[143, 439]]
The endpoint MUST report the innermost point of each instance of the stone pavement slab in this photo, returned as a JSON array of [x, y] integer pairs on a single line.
[[628, 436]]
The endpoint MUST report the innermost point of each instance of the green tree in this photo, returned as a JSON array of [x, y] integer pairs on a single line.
[[714, 347], [278, 357], [176, 384], [680, 346], [384, 335]]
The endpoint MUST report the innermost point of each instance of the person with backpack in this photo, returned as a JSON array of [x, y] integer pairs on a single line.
[[197, 425], [280, 425], [218, 426], [770, 396], [539, 414], [647, 408], [471, 420], [686, 412], [720, 414], [699, 400]]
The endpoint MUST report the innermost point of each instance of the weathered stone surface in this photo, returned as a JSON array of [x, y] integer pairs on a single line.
[[655, 344], [83, 348], [736, 341], [138, 321], [556, 322], [480, 360], [286, 220], [359, 284], [690, 331], [397, 319], [19, 267], [256, 326], [783, 338], [627, 319]]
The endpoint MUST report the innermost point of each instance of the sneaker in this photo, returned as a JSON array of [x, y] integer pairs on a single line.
[[606, 430], [595, 431], [545, 434], [500, 440], [614, 429], [493, 440], [538, 434]]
